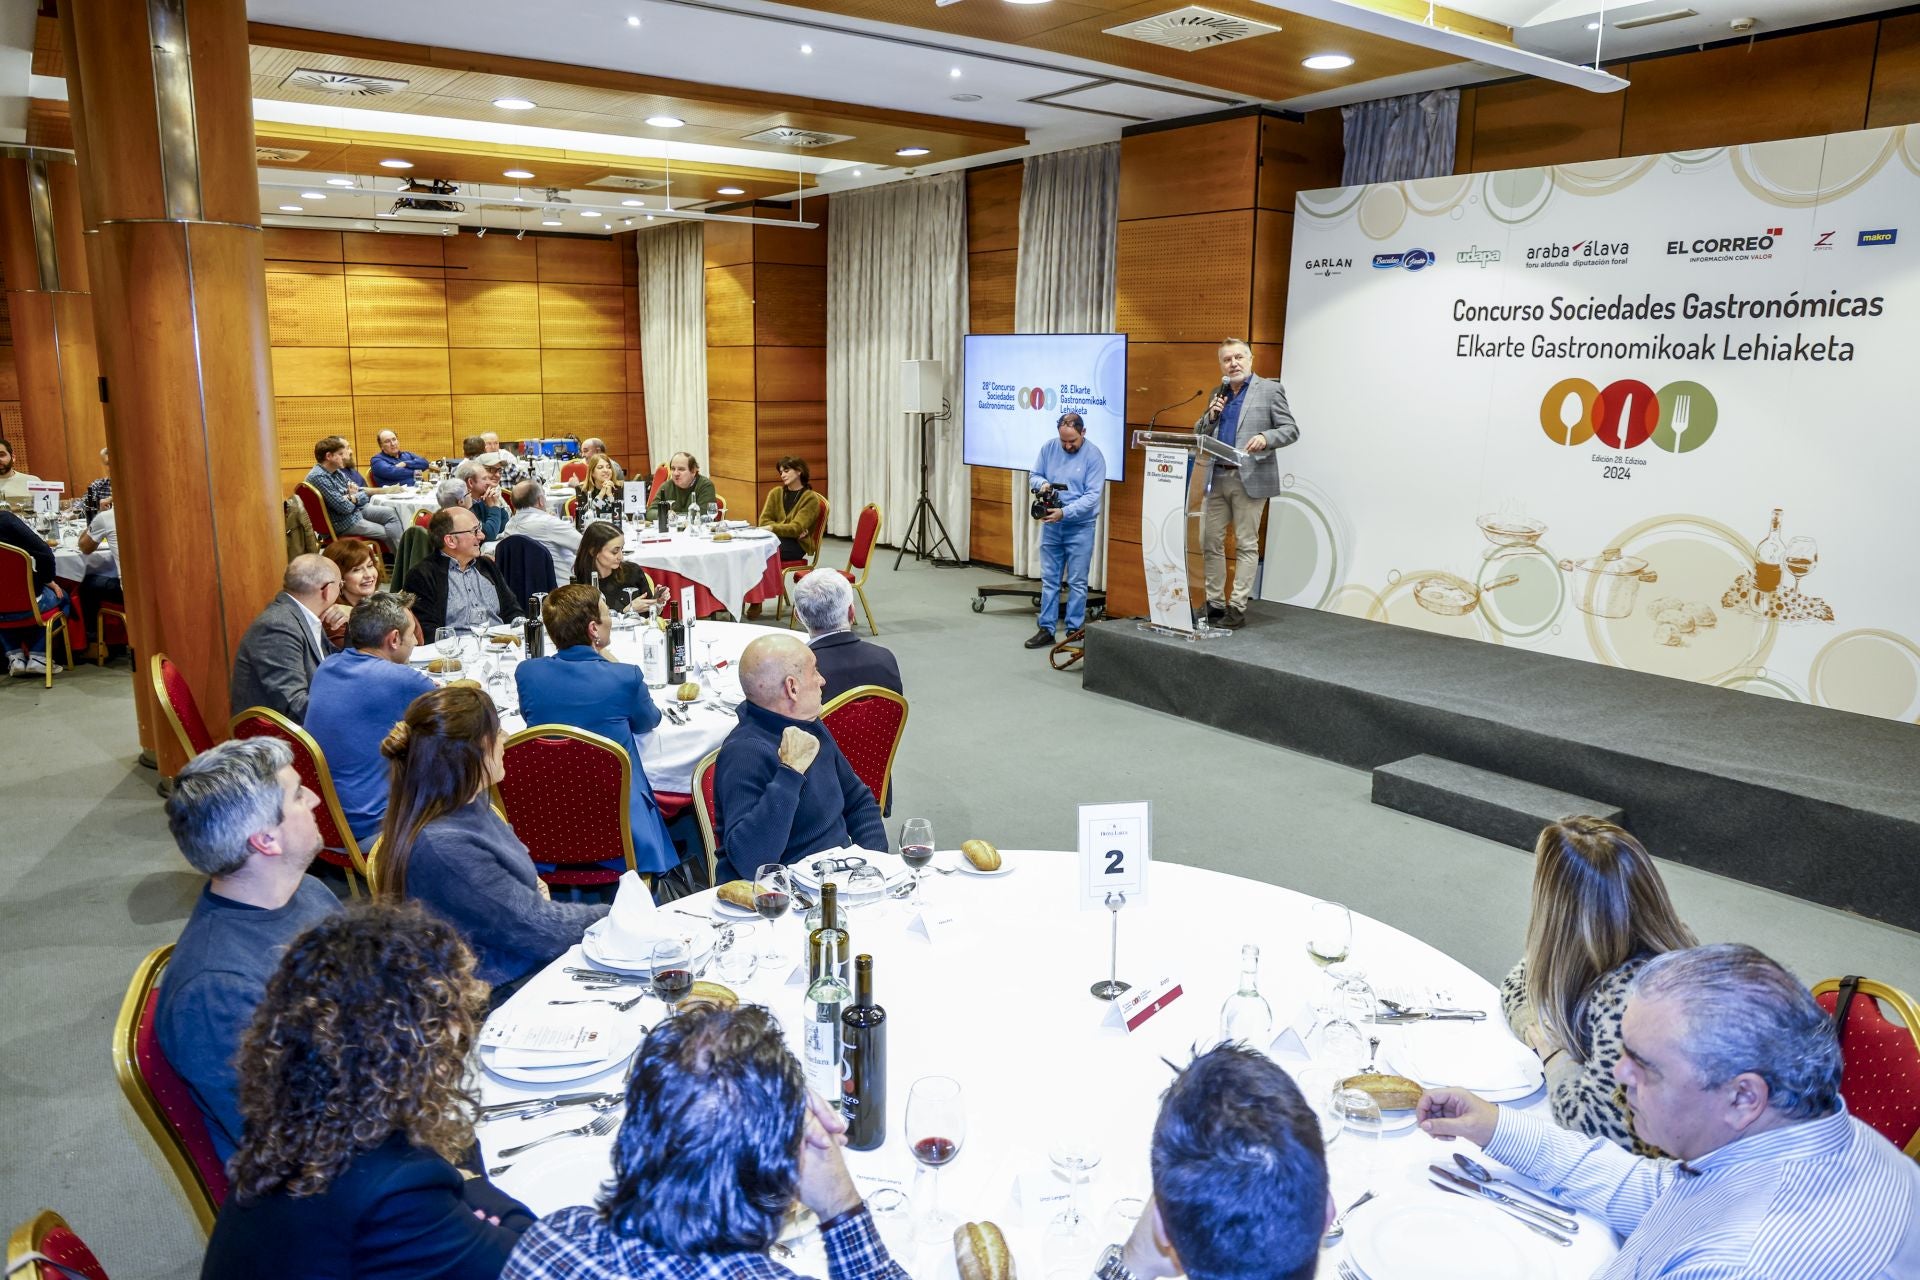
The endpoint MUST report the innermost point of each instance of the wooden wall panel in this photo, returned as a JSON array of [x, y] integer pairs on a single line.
[[306, 310], [423, 423], [1198, 169], [730, 374], [1535, 122], [790, 373], [730, 449], [580, 370], [795, 246], [1298, 156], [299, 421], [311, 371], [1185, 279], [300, 246], [1809, 83], [586, 415], [494, 370], [1126, 580], [578, 261], [408, 250], [993, 208], [790, 427], [789, 305], [581, 315], [727, 244], [492, 313], [1163, 373], [497, 257], [512, 417], [1896, 73], [9, 378], [386, 311], [1272, 262], [990, 282], [730, 305], [400, 371], [989, 533], [743, 497]]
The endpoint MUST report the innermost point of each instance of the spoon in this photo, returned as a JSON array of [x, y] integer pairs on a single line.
[[1339, 1227], [1479, 1173], [1373, 1051], [1572, 413]]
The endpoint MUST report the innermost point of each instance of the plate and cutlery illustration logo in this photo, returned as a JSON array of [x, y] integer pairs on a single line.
[[1627, 413]]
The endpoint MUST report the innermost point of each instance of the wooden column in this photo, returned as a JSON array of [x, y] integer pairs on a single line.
[[766, 354], [163, 129], [44, 261], [993, 256]]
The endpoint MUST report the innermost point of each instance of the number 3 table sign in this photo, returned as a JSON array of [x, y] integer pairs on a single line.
[[1116, 844]]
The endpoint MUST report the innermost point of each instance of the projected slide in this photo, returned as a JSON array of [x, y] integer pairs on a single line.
[[1017, 385]]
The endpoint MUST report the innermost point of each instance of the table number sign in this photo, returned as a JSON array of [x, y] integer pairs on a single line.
[[1116, 844], [1141, 1003], [633, 499], [46, 496]]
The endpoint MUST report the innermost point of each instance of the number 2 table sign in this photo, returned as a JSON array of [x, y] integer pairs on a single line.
[[1116, 844]]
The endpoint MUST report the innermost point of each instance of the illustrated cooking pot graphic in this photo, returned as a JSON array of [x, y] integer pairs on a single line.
[[1607, 583]]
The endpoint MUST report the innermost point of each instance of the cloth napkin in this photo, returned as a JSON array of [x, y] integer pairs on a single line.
[[634, 924]]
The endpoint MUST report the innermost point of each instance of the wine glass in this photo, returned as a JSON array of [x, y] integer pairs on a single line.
[[772, 895], [446, 640], [1071, 1240], [1343, 1047], [1357, 1116], [672, 970], [1803, 554], [865, 887], [936, 1130], [1329, 933], [916, 850], [713, 513]]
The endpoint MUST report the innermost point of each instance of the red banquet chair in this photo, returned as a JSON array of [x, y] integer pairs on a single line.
[[45, 1248], [337, 846], [110, 628], [806, 562], [707, 810], [317, 514], [175, 696], [1880, 1071], [565, 794], [574, 472], [866, 532], [423, 517], [867, 723], [659, 478], [18, 596], [160, 1097]]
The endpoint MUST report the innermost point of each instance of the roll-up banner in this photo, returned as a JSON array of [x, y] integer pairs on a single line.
[[1163, 537], [1655, 412]]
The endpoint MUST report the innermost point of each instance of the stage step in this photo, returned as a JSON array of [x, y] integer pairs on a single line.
[[1478, 800]]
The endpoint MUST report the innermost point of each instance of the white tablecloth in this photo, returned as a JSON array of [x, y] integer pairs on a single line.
[[1000, 1003], [409, 502], [728, 569]]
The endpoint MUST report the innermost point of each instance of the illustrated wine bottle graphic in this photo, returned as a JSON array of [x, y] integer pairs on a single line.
[[1767, 558], [863, 1066]]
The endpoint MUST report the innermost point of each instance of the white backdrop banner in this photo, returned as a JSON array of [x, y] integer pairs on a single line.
[[1654, 412]]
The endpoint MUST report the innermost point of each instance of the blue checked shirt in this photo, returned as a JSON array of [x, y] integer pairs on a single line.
[[333, 488], [576, 1244], [1825, 1199]]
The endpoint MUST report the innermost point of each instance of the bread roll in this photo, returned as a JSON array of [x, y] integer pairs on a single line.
[[981, 1252], [982, 855], [737, 892], [1393, 1093]]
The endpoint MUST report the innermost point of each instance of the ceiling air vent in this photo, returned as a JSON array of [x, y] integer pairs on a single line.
[[1192, 29], [802, 138], [342, 83], [278, 155], [626, 182]]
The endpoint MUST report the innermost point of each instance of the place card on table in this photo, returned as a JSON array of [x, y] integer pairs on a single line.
[[1291, 1042], [1131, 1010], [933, 923]]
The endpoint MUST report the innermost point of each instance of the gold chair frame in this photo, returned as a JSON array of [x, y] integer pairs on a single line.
[[24, 1247], [813, 561], [330, 532], [57, 618], [328, 795], [165, 703], [859, 584], [708, 836], [1903, 1004], [533, 731], [875, 691], [134, 1085]]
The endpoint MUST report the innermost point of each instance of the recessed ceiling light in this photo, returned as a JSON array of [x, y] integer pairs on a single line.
[[313, 195], [733, 191], [856, 173], [953, 74], [1327, 62], [633, 19], [911, 151], [806, 48], [589, 213], [519, 199], [515, 104], [388, 214], [396, 164], [1593, 26], [339, 182], [518, 175], [665, 122], [291, 208], [964, 97], [634, 204], [649, 217], [549, 222], [1027, 1]]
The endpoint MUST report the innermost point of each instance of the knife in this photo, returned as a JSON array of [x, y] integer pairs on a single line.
[[1534, 1227], [601, 975], [1501, 1198], [1423, 1015], [499, 1109]]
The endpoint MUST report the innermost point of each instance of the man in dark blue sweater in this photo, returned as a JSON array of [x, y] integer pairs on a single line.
[[240, 814], [785, 791]]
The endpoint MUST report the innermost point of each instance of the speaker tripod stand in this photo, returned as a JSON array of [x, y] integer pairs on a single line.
[[925, 519]]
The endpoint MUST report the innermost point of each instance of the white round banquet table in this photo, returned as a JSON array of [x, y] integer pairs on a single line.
[[740, 571], [999, 1001], [409, 501]]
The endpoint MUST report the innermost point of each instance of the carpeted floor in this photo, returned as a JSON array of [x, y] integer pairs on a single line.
[[999, 746]]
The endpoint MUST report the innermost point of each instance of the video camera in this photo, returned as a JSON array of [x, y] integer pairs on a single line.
[[1046, 501]]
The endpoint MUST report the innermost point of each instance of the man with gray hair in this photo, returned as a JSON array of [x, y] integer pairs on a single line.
[[1250, 413], [592, 447], [483, 496], [824, 604], [1731, 1068], [358, 694], [785, 791], [531, 519], [275, 661], [241, 817]]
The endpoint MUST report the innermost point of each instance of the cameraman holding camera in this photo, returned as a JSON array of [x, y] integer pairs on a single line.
[[1068, 478]]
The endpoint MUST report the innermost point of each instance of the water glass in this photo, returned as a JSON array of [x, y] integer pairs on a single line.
[[734, 962]]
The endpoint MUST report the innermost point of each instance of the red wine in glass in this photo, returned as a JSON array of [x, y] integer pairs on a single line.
[[916, 855], [934, 1152], [672, 985], [771, 905]]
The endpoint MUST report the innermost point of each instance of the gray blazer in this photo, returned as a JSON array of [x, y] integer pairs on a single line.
[[275, 661], [1264, 412]]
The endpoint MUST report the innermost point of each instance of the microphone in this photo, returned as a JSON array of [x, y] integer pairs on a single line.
[[1175, 405], [1225, 389]]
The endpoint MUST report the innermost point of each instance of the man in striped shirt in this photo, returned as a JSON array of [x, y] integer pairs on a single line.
[[1729, 1065]]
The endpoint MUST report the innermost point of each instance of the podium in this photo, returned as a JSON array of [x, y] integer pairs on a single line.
[[1170, 502]]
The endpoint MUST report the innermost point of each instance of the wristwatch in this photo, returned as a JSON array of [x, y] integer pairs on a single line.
[[1110, 1266]]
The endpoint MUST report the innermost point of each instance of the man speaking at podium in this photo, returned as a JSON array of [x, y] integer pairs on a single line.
[[1067, 481], [1250, 413]]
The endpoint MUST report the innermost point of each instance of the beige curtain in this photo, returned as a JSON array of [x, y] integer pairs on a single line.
[[1069, 225], [896, 291], [673, 340]]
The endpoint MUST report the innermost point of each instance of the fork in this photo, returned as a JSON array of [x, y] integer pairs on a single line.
[[1682, 414], [621, 1005], [598, 1127], [1348, 1273]]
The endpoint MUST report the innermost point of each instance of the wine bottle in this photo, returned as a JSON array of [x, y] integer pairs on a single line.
[[1767, 557], [840, 946], [536, 632], [1246, 1018], [863, 1066], [676, 649], [827, 994], [653, 655]]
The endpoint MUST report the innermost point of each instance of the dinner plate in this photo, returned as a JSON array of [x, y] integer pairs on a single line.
[[560, 1174], [625, 1040], [597, 954], [967, 868], [1403, 1238], [733, 911]]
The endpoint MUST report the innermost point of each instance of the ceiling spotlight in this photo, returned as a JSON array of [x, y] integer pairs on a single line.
[[733, 191], [312, 195], [520, 235], [387, 214], [806, 48], [589, 213], [649, 217], [339, 182], [518, 175], [911, 151], [515, 104], [633, 19], [1327, 62], [1593, 26], [953, 74], [291, 208], [665, 122], [1027, 1], [964, 97], [626, 222], [634, 204], [856, 173], [519, 199], [396, 164], [481, 234], [549, 222]]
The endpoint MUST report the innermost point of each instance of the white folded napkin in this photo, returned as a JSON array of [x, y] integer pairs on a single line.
[[634, 924]]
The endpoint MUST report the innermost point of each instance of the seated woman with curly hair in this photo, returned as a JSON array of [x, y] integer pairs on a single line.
[[352, 1090]]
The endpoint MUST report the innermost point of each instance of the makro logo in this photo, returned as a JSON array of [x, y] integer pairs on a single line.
[[1036, 398], [1579, 253], [1329, 266], [1727, 247], [1886, 235], [1625, 414], [1823, 242], [1475, 254], [1412, 260]]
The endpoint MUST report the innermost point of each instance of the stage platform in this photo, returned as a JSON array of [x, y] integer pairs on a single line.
[[1820, 804]]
